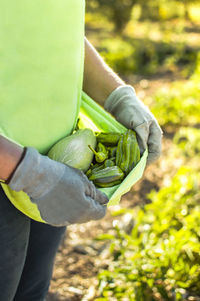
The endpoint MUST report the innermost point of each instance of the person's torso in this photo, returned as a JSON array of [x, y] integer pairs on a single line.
[[41, 69]]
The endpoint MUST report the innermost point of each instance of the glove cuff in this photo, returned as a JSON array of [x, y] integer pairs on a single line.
[[11, 175], [117, 96], [36, 174], [24, 173]]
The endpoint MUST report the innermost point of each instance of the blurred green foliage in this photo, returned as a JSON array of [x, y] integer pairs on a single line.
[[130, 56], [187, 139], [179, 105], [158, 257], [143, 46], [119, 11]]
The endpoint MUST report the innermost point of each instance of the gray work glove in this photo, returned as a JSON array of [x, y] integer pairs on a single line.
[[130, 111], [63, 194]]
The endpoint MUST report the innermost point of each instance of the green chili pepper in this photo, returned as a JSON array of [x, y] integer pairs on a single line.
[[128, 153], [119, 151], [106, 185], [126, 149], [107, 177], [101, 148], [93, 166], [99, 156], [97, 168], [88, 173], [134, 152], [112, 151], [109, 162], [109, 138]]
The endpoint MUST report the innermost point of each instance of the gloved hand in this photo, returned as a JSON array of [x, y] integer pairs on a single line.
[[63, 194], [130, 111]]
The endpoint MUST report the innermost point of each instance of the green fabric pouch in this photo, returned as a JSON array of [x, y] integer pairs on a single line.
[[95, 117]]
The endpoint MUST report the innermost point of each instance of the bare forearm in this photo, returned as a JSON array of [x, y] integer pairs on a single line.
[[99, 79], [10, 154]]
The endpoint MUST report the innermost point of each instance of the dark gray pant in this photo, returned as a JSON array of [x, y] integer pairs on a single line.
[[27, 253]]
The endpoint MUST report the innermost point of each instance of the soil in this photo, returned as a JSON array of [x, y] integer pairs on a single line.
[[81, 256]]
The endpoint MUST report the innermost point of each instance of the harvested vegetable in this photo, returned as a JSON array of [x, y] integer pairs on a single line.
[[115, 156], [101, 154], [108, 138], [73, 150], [107, 177]]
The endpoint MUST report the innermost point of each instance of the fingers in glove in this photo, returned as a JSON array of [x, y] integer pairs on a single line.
[[154, 143], [90, 189], [96, 211], [95, 194], [101, 197], [142, 132]]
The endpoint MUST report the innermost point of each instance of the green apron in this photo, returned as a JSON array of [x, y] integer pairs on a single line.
[[41, 73]]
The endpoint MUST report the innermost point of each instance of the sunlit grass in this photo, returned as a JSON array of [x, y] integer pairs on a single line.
[[194, 12]]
